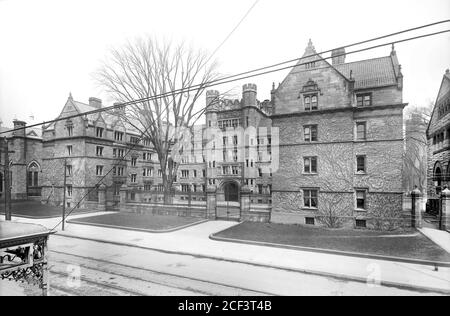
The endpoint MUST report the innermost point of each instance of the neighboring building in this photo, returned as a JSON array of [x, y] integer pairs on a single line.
[[341, 142], [438, 137], [25, 156]]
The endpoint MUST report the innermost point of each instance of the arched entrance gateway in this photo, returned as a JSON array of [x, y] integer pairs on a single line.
[[231, 192], [228, 201]]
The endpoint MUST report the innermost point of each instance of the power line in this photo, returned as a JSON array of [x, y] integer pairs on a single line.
[[227, 79], [232, 31]]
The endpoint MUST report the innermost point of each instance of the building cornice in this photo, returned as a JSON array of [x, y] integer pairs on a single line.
[[341, 109]]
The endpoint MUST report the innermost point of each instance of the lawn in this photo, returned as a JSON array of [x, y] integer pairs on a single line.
[[133, 221], [35, 209], [409, 245]]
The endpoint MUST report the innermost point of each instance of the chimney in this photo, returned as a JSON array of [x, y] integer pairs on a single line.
[[118, 109], [338, 56], [249, 94], [19, 124], [95, 102]]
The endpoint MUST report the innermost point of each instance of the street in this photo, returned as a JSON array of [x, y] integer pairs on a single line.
[[106, 269]]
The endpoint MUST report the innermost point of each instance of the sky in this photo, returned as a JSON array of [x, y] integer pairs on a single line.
[[50, 48]]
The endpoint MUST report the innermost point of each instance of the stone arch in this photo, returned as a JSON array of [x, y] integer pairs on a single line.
[[33, 170], [34, 166], [231, 190]]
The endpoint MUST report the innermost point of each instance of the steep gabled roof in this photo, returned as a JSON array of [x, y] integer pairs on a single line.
[[445, 79], [370, 73]]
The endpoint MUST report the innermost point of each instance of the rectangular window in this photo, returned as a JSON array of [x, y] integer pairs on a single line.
[[99, 132], [235, 170], [309, 221], [147, 172], [99, 151], [195, 173], [70, 130], [310, 198], [260, 173], [361, 223], [364, 99], [159, 173], [134, 140], [118, 136], [361, 131], [311, 102], [310, 133], [132, 196], [185, 173], [361, 199], [133, 178], [361, 164], [133, 161], [69, 190], [69, 150], [99, 170], [69, 170], [310, 164]]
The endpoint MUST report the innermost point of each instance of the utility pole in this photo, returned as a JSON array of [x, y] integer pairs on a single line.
[[7, 182], [64, 194]]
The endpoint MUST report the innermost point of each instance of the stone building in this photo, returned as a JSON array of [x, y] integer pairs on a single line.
[[326, 149], [341, 142], [25, 162], [238, 151], [438, 138]]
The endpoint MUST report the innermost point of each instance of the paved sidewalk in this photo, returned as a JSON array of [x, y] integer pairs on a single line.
[[439, 237], [196, 242]]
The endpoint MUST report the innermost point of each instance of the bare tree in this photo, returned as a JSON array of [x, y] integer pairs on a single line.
[[169, 79], [415, 159]]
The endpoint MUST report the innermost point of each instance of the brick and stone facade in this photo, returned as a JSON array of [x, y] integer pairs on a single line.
[[356, 111], [438, 139]]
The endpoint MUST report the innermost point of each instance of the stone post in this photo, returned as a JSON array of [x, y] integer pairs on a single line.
[[123, 196], [102, 197], [245, 202], [444, 214], [211, 202], [416, 215]]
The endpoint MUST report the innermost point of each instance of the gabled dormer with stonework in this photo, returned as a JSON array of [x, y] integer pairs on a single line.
[[316, 84], [312, 85]]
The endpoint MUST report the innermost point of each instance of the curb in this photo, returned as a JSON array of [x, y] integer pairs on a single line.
[[305, 271], [330, 251], [153, 231]]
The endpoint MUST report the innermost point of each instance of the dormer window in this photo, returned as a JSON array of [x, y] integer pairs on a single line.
[[364, 99]]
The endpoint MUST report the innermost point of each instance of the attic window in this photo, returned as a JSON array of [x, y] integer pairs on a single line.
[[364, 99]]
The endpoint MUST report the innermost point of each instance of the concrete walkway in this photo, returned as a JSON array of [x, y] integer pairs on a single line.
[[195, 241], [439, 237]]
